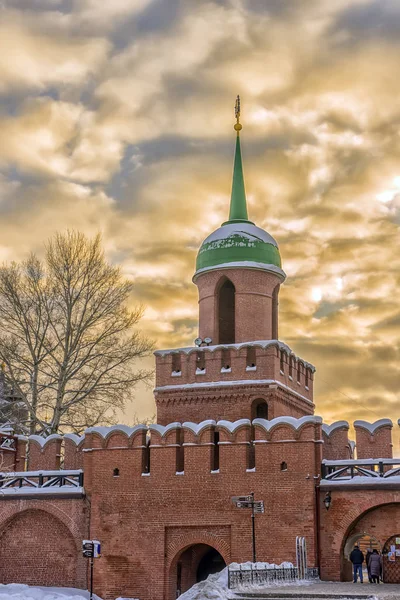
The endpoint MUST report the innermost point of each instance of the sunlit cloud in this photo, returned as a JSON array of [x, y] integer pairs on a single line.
[[117, 117]]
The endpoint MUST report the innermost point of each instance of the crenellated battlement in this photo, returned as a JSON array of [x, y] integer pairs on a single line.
[[196, 382], [265, 359], [209, 446]]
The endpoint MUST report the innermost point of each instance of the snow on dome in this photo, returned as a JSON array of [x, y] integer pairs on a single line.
[[247, 230], [241, 244]]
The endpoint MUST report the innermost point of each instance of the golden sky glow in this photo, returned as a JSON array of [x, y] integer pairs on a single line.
[[117, 116]]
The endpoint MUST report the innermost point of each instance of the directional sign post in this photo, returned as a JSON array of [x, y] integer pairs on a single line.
[[91, 549], [257, 507]]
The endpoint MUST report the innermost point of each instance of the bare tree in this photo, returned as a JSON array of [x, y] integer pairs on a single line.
[[68, 341]]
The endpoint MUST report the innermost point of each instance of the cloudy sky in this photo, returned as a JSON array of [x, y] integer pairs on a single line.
[[116, 116]]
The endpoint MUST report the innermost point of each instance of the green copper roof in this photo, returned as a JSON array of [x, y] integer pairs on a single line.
[[238, 242]]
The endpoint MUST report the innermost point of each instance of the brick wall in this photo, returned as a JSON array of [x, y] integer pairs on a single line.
[[40, 542], [44, 453], [336, 441], [353, 512], [150, 519], [254, 312], [374, 440], [145, 522]]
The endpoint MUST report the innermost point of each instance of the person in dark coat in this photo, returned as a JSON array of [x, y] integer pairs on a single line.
[[375, 566], [357, 558], [367, 557]]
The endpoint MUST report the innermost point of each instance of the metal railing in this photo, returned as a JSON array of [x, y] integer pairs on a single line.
[[35, 480], [348, 469], [255, 576]]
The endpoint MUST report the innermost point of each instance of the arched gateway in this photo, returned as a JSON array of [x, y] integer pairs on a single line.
[[192, 564]]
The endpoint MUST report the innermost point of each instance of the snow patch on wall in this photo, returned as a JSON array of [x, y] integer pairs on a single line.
[[164, 430], [233, 426], [197, 428], [107, 431], [77, 439], [372, 427], [291, 421], [328, 429], [42, 441]]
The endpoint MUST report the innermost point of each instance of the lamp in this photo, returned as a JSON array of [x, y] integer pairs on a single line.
[[328, 500]]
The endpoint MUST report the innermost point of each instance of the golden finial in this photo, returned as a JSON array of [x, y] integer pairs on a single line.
[[237, 126]]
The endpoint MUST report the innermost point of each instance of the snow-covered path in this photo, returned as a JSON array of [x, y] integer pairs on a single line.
[[19, 591]]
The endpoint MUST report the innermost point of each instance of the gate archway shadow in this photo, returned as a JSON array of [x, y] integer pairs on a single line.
[[191, 565]]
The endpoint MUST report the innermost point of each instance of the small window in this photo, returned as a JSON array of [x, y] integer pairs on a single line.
[[283, 466], [180, 452], [176, 363], [298, 372], [226, 359], [146, 457], [226, 313], [116, 473], [291, 367], [215, 453], [259, 409], [307, 376], [262, 411], [200, 361], [282, 364], [251, 358]]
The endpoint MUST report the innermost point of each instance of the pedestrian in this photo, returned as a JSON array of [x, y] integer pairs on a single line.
[[357, 558], [375, 564], [367, 557]]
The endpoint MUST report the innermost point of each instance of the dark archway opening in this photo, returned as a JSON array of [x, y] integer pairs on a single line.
[[211, 563], [192, 565], [226, 313], [259, 409]]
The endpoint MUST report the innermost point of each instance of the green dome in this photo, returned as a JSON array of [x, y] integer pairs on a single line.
[[238, 242]]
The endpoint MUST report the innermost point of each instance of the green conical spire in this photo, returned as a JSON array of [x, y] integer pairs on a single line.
[[238, 209]]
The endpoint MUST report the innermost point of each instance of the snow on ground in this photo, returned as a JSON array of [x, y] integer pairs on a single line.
[[20, 591], [215, 587]]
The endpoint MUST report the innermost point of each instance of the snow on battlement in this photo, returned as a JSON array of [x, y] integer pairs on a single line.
[[264, 365], [209, 446], [374, 440]]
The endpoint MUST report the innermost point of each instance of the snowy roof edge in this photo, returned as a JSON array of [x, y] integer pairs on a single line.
[[328, 429], [372, 427], [261, 343]]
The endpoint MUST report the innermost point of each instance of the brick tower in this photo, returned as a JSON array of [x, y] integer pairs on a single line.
[[238, 367]]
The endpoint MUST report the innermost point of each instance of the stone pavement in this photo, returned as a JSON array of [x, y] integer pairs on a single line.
[[325, 589]]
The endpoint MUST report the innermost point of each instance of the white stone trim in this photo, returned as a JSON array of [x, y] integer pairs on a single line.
[[243, 264]]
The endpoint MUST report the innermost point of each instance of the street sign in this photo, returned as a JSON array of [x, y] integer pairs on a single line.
[[259, 507], [91, 549], [244, 504], [88, 548], [236, 499]]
